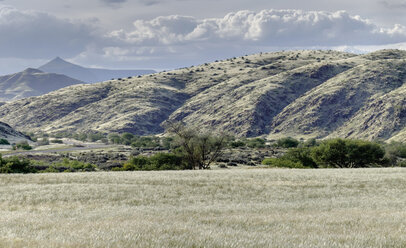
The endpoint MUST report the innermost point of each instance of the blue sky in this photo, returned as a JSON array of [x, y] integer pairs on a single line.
[[166, 34]]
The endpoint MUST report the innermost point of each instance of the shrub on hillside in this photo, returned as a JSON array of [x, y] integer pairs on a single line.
[[43, 142], [57, 141], [256, 143], [4, 142], [287, 142], [22, 145]]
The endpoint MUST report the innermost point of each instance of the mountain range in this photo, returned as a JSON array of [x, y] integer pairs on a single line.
[[303, 94], [32, 82], [88, 75]]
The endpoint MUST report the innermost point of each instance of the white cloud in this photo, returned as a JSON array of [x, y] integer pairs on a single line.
[[177, 41], [29, 34], [268, 27]]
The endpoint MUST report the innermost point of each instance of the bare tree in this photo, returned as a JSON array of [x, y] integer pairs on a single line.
[[199, 148]]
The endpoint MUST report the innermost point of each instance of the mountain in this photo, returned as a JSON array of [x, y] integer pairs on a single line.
[[89, 75], [32, 82], [304, 94]]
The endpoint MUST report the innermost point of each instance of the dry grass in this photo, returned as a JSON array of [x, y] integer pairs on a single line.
[[219, 208]]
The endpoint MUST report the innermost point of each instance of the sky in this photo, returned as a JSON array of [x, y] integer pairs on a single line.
[[168, 34]]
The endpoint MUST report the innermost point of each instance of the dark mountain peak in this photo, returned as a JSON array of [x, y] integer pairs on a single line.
[[89, 75], [57, 62]]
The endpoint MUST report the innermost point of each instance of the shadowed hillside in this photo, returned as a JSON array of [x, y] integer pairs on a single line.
[[301, 94]]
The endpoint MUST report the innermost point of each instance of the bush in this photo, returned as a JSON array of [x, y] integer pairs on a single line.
[[401, 163], [237, 143], [15, 165], [287, 142], [256, 143], [342, 153], [4, 142], [43, 142], [22, 145], [396, 149], [282, 163], [159, 161], [74, 165], [57, 141], [301, 155]]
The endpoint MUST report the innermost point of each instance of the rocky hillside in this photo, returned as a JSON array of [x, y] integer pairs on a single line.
[[89, 75], [32, 82], [11, 135], [303, 94]]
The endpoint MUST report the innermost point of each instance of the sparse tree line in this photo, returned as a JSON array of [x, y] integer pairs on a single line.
[[191, 148], [339, 153]]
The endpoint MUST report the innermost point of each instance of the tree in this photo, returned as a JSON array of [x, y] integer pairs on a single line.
[[199, 148], [287, 142], [347, 153]]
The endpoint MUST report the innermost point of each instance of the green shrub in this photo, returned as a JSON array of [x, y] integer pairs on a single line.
[[347, 153], [57, 141], [301, 155], [23, 145], [287, 142], [15, 165], [4, 142], [401, 163], [256, 143], [237, 143], [75, 165], [282, 163], [159, 161], [396, 149]]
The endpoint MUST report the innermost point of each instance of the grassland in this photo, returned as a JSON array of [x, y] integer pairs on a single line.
[[218, 208]]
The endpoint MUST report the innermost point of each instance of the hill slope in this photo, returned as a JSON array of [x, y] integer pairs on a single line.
[[32, 82], [89, 75], [301, 94], [8, 133]]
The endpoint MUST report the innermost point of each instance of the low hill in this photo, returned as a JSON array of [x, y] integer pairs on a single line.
[[11, 135], [303, 94], [32, 82], [89, 75]]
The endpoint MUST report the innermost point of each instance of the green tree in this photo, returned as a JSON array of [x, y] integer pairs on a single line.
[[199, 148], [287, 142], [347, 153]]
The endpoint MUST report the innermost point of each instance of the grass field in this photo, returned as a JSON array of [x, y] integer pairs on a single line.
[[219, 208]]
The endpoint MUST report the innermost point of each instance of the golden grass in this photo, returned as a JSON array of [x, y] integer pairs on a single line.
[[219, 208]]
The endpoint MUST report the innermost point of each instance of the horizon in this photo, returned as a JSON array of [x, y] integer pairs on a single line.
[[169, 34]]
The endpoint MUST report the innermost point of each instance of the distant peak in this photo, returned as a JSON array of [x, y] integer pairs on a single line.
[[56, 59]]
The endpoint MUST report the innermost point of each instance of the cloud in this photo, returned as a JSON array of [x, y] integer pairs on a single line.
[[28, 34], [114, 1], [393, 4], [177, 41], [267, 27]]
